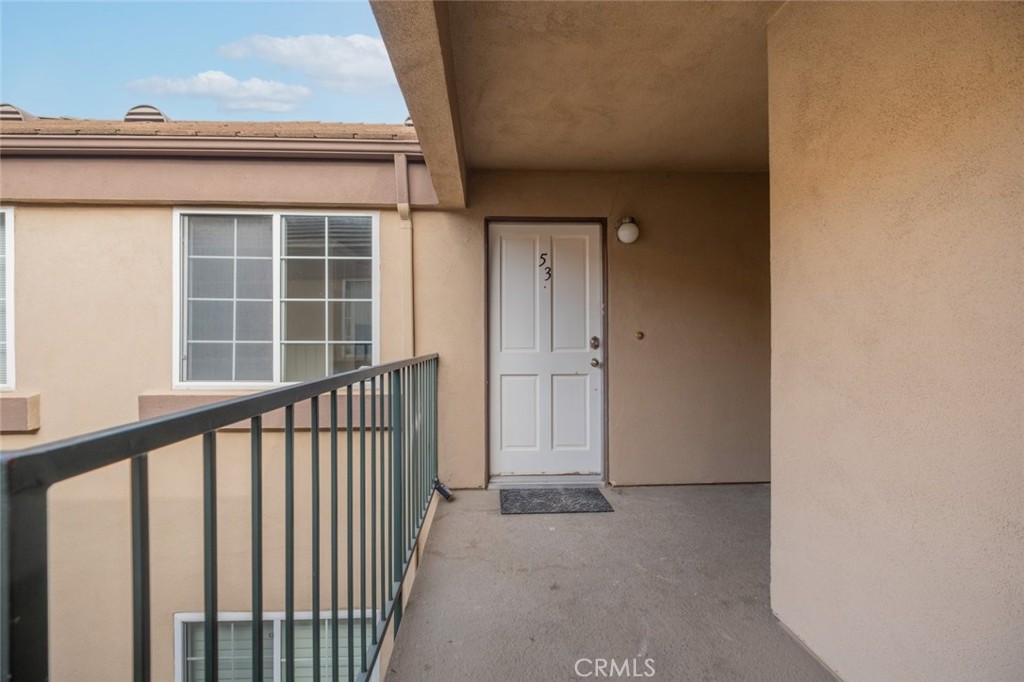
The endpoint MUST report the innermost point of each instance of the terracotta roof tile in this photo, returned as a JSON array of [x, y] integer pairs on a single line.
[[287, 130]]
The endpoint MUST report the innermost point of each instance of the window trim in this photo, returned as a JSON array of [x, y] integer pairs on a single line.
[[8, 212], [178, 295], [182, 619]]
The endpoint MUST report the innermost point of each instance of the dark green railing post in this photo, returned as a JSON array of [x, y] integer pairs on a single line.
[[5, 583], [349, 537], [398, 549], [432, 394], [389, 543], [314, 465], [408, 471], [289, 543], [426, 484], [407, 468], [140, 569], [433, 422], [417, 411], [335, 640], [256, 464], [373, 508], [210, 629], [382, 496], [28, 602], [362, 525], [420, 426]]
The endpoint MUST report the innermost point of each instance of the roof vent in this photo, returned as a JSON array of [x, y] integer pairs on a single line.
[[9, 112], [145, 112], [408, 121]]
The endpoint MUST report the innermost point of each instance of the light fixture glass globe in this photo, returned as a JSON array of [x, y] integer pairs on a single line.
[[628, 232]]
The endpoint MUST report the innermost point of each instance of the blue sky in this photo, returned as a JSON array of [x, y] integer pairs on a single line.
[[248, 61]]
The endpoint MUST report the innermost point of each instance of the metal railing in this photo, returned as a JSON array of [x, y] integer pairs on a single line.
[[396, 446]]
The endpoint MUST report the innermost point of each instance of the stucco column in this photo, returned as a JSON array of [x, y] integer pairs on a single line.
[[897, 259]]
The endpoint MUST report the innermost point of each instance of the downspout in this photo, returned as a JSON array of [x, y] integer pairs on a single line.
[[407, 299]]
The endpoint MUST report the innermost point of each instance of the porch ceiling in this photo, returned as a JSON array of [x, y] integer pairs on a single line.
[[590, 85]]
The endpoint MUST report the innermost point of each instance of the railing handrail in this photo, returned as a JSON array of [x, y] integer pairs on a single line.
[[396, 455], [44, 465]]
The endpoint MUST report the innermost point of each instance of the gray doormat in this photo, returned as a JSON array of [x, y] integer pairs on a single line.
[[553, 501]]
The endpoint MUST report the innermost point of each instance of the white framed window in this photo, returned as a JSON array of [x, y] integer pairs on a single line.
[[234, 641], [6, 299], [264, 297]]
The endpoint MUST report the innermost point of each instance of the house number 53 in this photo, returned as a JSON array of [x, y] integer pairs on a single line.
[[545, 267]]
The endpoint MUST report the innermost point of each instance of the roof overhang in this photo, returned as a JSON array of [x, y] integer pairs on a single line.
[[420, 47], [168, 146], [216, 162], [588, 86], [286, 164]]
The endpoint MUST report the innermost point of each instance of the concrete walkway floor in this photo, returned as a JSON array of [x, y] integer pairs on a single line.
[[674, 580]]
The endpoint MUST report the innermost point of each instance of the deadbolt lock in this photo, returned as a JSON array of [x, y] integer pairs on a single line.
[[595, 343]]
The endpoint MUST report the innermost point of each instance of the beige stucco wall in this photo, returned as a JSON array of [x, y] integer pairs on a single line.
[[897, 193], [688, 403], [86, 342]]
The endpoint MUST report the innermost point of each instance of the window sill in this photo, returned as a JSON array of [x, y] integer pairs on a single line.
[[157, 404], [19, 413]]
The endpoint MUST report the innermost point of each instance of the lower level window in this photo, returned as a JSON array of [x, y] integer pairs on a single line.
[[235, 647], [276, 296]]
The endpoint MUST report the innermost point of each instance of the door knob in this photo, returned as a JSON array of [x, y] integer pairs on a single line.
[[594, 362]]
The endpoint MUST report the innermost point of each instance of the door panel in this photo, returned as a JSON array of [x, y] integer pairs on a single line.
[[569, 411], [546, 402], [519, 310], [569, 294], [520, 402]]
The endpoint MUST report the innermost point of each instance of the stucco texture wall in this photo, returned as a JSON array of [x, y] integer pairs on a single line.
[[897, 206], [93, 304], [687, 404]]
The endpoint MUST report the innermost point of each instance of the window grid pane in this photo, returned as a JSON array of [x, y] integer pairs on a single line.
[[229, 259], [332, 266], [211, 235], [346, 357], [350, 236], [304, 236]]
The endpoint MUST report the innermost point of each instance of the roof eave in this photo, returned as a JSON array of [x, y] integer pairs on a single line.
[[206, 146], [417, 38]]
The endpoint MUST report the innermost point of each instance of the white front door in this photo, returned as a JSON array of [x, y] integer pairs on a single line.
[[546, 349]]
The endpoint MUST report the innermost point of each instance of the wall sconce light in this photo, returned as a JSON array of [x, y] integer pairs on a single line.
[[628, 232]]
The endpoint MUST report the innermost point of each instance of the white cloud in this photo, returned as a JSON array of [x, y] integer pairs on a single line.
[[230, 93], [355, 63]]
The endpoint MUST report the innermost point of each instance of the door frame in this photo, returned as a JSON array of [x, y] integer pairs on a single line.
[[603, 223]]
